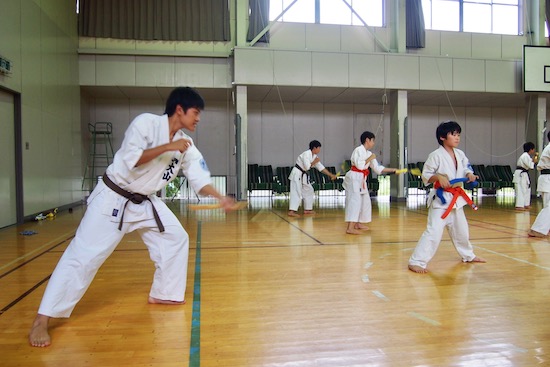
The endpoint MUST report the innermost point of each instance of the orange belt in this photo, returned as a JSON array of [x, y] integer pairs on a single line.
[[457, 192], [365, 173]]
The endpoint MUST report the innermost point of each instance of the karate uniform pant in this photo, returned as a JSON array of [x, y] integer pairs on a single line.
[[300, 190], [358, 207], [97, 237], [457, 227], [542, 223], [523, 191]]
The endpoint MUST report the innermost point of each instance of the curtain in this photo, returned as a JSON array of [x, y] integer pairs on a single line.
[[258, 19], [548, 17], [168, 20], [416, 32]]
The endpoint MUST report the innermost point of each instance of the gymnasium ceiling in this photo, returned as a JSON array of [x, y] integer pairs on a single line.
[[322, 95]]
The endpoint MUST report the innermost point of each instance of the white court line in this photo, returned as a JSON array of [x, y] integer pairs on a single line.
[[513, 258], [65, 236], [424, 318], [368, 265], [380, 295], [365, 278]]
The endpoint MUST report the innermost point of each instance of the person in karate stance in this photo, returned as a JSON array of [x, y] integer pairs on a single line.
[[358, 204], [154, 149], [522, 182], [442, 166], [541, 225], [300, 187]]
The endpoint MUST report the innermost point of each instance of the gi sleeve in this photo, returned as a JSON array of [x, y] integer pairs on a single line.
[[195, 169]]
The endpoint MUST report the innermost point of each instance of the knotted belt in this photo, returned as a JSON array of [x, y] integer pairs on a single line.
[[134, 198], [457, 192], [523, 170], [303, 172], [365, 173]]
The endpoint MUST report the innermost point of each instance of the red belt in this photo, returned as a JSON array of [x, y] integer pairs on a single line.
[[365, 173], [457, 192]]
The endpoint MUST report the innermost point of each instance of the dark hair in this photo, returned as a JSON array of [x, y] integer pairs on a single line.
[[314, 144], [528, 146], [186, 97], [366, 135], [548, 135], [445, 128]]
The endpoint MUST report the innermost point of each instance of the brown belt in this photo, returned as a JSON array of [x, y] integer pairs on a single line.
[[134, 198]]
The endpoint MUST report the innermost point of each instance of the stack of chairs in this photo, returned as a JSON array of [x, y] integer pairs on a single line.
[[260, 177], [282, 183]]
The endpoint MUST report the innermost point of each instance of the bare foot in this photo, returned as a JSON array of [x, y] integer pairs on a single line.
[[309, 212], [38, 336], [292, 213], [164, 302], [353, 231], [418, 269], [360, 226], [532, 233], [477, 260], [527, 207], [519, 208]]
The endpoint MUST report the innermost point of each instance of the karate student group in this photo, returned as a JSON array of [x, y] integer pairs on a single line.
[[155, 148]]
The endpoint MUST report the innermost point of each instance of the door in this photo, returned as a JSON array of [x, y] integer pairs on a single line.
[[8, 214]]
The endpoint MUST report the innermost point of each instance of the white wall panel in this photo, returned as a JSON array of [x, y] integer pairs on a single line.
[[292, 68], [402, 72], [505, 143], [278, 135], [476, 135], [494, 70], [468, 75], [115, 70], [330, 69], [290, 36], [357, 39], [436, 73], [338, 141], [366, 70], [194, 72], [157, 71], [255, 135], [423, 121], [456, 44], [322, 37], [486, 46], [254, 66]]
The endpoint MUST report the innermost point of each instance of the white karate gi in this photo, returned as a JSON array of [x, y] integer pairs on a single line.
[[358, 204], [441, 162], [98, 235], [300, 188], [521, 180], [542, 223]]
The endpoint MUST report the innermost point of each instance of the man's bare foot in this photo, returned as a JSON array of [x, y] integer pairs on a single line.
[[361, 226], [309, 212], [353, 231], [532, 233], [292, 213], [477, 260], [418, 269], [38, 336]]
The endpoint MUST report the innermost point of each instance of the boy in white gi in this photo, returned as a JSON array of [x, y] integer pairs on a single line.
[[153, 150], [300, 187], [522, 183], [443, 165], [541, 226], [358, 204]]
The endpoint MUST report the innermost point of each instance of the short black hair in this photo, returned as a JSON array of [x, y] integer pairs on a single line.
[[445, 128], [548, 135], [528, 146], [186, 97], [314, 144], [366, 135]]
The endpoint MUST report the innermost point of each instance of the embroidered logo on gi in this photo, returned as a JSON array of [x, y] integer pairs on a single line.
[[115, 212], [203, 165]]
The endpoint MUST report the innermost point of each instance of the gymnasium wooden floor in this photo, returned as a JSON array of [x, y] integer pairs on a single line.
[[268, 290]]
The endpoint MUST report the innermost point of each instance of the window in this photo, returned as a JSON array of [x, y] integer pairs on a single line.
[[480, 16], [329, 12]]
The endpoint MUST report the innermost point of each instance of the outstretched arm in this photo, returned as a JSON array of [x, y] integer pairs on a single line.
[[226, 202], [329, 174]]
